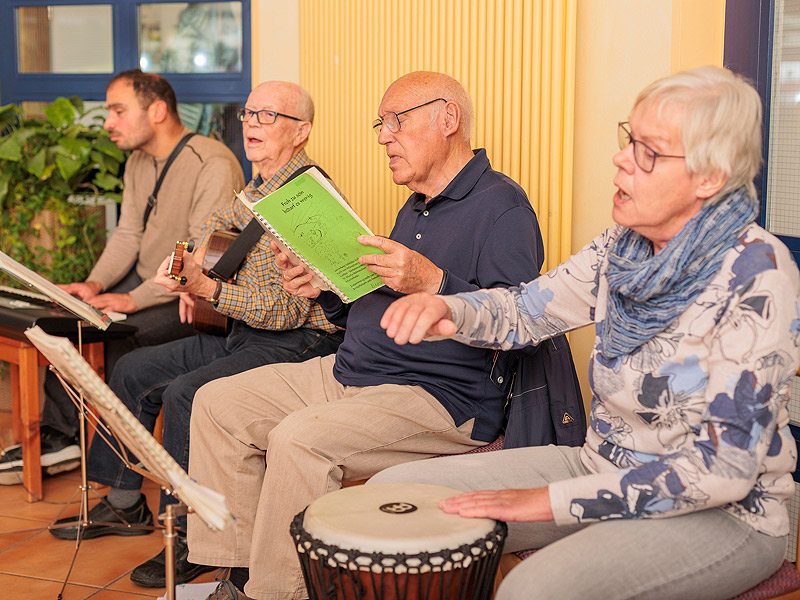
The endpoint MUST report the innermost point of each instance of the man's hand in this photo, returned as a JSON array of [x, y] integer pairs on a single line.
[[197, 282], [410, 319], [296, 280], [503, 505], [123, 303], [84, 290], [186, 307], [401, 269]]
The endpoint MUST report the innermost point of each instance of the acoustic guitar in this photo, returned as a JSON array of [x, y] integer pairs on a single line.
[[205, 318]]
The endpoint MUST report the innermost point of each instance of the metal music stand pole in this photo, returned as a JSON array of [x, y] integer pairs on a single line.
[[173, 511], [84, 521]]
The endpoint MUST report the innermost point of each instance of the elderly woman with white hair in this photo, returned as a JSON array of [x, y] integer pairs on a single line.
[[680, 490]]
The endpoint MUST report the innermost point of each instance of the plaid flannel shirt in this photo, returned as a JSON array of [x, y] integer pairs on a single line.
[[258, 297]]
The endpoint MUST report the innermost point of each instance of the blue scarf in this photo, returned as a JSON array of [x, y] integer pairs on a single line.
[[649, 291]]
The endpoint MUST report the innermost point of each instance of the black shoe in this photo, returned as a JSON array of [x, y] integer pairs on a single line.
[[103, 512], [227, 591], [59, 453], [152, 573]]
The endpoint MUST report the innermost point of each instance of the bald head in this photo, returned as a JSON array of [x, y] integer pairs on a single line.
[[293, 99], [421, 86]]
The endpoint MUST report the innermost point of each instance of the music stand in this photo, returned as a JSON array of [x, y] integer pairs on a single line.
[[159, 465], [85, 313]]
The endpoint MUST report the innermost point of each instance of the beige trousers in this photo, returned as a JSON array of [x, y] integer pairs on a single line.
[[275, 438]]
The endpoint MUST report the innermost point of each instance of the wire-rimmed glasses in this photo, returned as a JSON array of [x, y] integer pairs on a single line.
[[391, 120]]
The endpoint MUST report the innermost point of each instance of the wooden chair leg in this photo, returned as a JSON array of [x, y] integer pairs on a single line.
[[16, 423], [29, 418]]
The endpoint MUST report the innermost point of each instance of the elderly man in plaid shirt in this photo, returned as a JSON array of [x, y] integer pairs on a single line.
[[269, 326]]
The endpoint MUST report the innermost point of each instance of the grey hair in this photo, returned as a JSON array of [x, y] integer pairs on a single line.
[[720, 115]]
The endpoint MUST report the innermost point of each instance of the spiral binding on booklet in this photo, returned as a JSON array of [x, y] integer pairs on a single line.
[[324, 283], [314, 225]]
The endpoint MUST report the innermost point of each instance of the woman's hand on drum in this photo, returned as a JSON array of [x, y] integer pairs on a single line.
[[503, 505], [410, 319]]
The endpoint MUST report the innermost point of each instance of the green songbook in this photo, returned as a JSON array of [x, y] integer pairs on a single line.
[[313, 225]]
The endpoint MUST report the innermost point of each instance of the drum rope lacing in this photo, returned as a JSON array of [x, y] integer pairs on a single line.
[[466, 571]]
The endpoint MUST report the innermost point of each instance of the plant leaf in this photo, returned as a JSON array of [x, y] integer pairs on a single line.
[[10, 148], [67, 166], [5, 177], [104, 144], [106, 181], [75, 149], [36, 164], [60, 113], [77, 102]]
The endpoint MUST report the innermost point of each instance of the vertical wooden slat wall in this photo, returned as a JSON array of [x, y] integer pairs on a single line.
[[515, 57]]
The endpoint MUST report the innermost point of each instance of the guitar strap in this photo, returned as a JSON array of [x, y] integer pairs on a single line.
[[233, 257], [151, 201]]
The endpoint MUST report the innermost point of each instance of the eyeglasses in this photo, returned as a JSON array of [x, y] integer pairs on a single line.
[[644, 156], [391, 120], [265, 117]]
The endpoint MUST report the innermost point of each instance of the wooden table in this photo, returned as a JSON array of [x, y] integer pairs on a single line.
[[25, 361]]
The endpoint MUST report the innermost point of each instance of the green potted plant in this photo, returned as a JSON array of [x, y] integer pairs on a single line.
[[48, 168]]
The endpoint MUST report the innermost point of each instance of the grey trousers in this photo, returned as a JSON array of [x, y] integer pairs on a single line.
[[706, 555]]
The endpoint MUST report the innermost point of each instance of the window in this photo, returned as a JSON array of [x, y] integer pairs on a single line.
[[73, 47], [761, 42]]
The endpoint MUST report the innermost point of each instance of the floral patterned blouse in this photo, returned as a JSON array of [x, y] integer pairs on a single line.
[[696, 417]]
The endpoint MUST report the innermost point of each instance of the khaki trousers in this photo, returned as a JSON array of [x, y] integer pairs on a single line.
[[275, 438]]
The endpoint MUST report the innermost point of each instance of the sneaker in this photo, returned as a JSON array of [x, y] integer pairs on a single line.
[[227, 591], [104, 519], [152, 573], [60, 453]]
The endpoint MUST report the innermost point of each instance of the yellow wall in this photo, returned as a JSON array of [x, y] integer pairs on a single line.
[[620, 48], [515, 57], [275, 49]]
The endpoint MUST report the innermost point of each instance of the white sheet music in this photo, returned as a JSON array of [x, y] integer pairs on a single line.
[[79, 308], [206, 503]]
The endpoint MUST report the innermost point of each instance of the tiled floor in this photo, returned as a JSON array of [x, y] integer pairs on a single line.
[[34, 564]]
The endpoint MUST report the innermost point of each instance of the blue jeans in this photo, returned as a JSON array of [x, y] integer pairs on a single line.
[[169, 375], [154, 325]]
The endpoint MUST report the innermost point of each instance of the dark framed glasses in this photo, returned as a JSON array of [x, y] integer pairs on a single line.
[[644, 156], [265, 117]]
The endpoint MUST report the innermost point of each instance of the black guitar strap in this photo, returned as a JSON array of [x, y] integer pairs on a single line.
[[233, 257], [151, 201]]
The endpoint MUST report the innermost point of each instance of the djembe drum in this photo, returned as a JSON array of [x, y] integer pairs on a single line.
[[390, 541]]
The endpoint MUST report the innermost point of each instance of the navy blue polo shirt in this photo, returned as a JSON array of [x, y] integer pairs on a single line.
[[482, 229]]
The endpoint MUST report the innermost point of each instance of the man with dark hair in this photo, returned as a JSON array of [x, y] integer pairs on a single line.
[[142, 118], [148, 87]]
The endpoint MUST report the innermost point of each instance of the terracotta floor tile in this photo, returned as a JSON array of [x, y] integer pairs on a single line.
[[14, 531], [34, 563], [19, 588], [117, 595]]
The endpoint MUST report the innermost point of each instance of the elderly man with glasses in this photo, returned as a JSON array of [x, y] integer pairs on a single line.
[[287, 434], [268, 325]]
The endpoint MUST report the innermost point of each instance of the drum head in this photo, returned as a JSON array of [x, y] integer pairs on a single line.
[[391, 518]]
